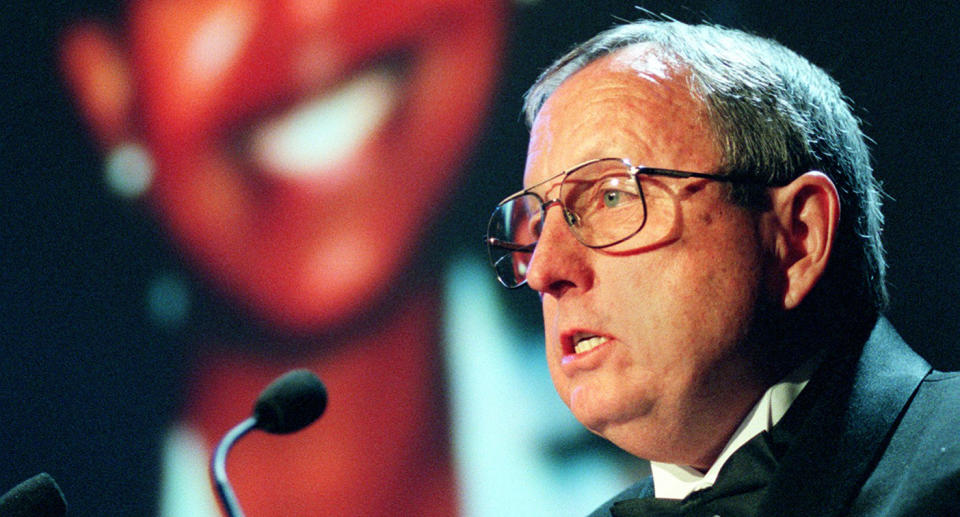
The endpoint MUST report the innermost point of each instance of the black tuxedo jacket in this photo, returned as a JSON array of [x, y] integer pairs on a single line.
[[877, 432]]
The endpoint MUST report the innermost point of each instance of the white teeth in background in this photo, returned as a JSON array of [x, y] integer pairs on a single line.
[[312, 138], [585, 345]]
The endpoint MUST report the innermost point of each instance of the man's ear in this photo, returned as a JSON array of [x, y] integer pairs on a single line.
[[96, 70], [807, 212]]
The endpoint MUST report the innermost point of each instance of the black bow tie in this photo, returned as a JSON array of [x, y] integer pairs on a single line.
[[737, 492]]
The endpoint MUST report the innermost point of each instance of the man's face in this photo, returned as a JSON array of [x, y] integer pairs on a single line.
[[670, 379]]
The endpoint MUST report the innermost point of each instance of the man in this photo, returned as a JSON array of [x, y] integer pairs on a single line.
[[702, 225]]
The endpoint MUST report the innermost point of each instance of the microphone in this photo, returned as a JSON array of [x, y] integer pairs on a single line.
[[38, 496], [291, 402]]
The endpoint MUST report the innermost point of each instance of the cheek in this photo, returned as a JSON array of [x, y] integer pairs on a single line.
[[707, 304], [551, 336], [664, 220], [688, 300]]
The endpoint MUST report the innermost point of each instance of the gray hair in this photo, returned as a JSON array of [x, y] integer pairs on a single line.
[[776, 116]]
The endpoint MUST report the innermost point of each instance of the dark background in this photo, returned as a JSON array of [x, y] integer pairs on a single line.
[[89, 377]]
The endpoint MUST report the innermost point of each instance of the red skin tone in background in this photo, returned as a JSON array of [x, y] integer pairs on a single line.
[[311, 252]]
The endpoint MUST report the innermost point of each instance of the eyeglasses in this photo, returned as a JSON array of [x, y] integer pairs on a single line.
[[603, 204]]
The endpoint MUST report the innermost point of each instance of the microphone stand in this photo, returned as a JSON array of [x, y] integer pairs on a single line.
[[290, 403], [219, 466]]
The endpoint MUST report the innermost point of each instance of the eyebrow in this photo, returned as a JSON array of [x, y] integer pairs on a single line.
[[543, 194], [590, 153]]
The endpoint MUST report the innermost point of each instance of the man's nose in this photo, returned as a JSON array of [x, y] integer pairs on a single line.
[[559, 263]]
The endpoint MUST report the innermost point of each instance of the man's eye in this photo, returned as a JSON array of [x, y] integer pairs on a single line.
[[615, 198], [611, 198]]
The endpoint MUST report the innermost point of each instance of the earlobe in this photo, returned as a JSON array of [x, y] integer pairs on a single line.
[[96, 71], [808, 213]]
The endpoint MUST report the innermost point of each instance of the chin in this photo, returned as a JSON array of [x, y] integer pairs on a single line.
[[602, 413]]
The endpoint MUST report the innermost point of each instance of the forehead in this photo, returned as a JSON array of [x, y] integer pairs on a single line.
[[635, 103]]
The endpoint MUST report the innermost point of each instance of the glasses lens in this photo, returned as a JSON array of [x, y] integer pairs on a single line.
[[606, 201], [511, 236]]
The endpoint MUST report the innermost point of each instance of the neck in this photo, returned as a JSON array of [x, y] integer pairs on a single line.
[[375, 447]]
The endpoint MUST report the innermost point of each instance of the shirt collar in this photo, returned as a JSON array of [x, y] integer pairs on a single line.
[[672, 481]]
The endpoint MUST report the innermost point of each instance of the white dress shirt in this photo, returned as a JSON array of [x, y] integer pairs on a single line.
[[672, 481]]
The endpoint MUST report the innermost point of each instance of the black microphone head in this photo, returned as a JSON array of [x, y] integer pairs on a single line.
[[38, 496], [290, 403]]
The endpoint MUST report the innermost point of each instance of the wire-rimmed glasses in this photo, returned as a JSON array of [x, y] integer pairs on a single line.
[[603, 204]]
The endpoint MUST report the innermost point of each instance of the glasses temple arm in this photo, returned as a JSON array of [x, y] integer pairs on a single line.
[[715, 177], [495, 242]]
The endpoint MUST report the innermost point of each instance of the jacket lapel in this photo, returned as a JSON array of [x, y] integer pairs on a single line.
[[853, 403]]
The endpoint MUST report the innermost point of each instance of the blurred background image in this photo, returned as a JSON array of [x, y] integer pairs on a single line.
[[201, 195]]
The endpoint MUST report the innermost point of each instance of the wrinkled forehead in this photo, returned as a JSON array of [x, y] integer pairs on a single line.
[[635, 103]]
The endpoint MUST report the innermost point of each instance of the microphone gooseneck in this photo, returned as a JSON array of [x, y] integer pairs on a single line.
[[219, 466], [290, 403]]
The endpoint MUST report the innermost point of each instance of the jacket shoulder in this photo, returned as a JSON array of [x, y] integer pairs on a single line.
[[919, 471]]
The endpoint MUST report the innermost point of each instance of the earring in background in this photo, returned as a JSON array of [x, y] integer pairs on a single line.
[[128, 170]]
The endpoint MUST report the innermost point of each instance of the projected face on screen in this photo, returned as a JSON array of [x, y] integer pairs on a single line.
[[295, 151]]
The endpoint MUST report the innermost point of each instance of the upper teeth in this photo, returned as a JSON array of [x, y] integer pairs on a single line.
[[587, 344], [322, 133]]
